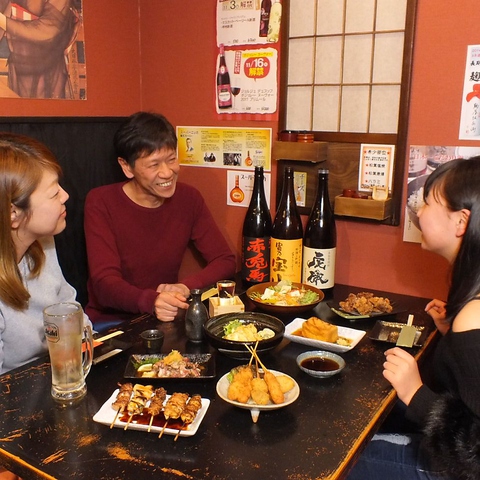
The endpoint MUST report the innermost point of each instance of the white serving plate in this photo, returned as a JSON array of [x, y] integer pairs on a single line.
[[290, 397], [352, 334], [106, 414]]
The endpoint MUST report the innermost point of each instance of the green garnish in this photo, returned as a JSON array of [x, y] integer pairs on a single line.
[[230, 327]]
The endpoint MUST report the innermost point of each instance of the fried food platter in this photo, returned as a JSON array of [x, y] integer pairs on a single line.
[[351, 334], [109, 416], [290, 396]]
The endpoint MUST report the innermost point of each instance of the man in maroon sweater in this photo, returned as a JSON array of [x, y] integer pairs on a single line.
[[137, 231]]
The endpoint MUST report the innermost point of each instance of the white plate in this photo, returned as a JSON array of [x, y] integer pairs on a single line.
[[290, 396], [352, 334], [106, 414]]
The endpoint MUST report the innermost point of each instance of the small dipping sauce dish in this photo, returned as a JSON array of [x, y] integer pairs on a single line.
[[320, 364], [152, 340]]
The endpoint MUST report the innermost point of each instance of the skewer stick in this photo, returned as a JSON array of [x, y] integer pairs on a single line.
[[163, 429], [178, 433], [128, 422], [253, 352], [150, 424], [116, 416]]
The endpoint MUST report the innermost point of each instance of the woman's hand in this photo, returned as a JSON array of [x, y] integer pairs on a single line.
[[436, 309], [171, 297], [401, 370]]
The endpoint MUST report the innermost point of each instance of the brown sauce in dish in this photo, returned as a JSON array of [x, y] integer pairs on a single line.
[[158, 420], [320, 364]]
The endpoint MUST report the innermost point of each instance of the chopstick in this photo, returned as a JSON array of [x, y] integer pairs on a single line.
[[109, 336]]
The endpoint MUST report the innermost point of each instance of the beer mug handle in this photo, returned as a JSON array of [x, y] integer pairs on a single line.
[[88, 351]]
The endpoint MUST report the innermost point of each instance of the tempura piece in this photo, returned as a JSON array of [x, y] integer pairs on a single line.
[[286, 383], [274, 388]]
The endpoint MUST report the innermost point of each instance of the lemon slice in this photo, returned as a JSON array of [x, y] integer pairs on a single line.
[[146, 367]]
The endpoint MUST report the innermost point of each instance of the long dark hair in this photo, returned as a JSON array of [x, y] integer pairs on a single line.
[[458, 182]]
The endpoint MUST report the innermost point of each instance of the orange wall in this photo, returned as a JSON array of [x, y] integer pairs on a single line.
[[171, 70], [178, 64]]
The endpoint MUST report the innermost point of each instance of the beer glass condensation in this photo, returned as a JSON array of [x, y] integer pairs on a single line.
[[66, 335]]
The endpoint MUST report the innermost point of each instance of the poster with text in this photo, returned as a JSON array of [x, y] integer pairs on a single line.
[[376, 167], [240, 187], [470, 117], [248, 22], [241, 148], [246, 81], [42, 50]]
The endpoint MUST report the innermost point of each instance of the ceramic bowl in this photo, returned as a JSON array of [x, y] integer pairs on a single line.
[[291, 310], [213, 329], [325, 361]]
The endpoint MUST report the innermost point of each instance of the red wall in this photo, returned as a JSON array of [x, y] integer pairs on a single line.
[[171, 70]]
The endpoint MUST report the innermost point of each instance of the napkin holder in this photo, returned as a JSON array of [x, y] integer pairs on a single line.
[[214, 307]]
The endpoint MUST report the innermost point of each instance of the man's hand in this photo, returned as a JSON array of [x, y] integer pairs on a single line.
[[170, 300]]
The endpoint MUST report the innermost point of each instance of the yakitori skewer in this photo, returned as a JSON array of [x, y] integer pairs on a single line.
[[121, 402], [156, 404], [174, 408], [190, 411], [141, 395]]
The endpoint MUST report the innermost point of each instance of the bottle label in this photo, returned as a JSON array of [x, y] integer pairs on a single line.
[[256, 256], [224, 96], [319, 267], [286, 260]]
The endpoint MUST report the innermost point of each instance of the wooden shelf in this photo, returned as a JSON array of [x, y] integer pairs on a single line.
[[314, 152]]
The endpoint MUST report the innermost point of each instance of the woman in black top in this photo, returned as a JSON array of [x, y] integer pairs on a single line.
[[447, 445]]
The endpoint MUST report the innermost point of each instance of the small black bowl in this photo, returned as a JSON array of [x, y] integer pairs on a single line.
[[213, 329]]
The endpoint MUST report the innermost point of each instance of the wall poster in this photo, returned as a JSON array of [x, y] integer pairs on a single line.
[[230, 148], [246, 68], [422, 162], [470, 117], [42, 52]]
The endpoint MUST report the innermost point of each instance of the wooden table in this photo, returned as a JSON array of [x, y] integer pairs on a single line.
[[316, 437]]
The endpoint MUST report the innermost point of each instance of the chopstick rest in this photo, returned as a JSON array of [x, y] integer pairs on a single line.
[[407, 334]]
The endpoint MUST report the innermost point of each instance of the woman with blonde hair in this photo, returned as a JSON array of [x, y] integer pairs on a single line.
[[32, 210]]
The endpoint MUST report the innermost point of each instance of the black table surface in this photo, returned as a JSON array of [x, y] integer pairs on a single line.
[[316, 437]]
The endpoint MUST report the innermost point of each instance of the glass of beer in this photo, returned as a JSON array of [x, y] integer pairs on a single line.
[[70, 345]]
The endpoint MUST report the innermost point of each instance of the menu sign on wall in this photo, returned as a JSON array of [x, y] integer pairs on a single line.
[[376, 166], [242, 148]]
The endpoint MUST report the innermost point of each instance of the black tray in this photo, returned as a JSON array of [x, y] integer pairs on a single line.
[[335, 307], [388, 332], [206, 362]]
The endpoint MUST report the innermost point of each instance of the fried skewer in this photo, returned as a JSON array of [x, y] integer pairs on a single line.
[[190, 411], [274, 389], [174, 408], [121, 402], [156, 404], [141, 395]]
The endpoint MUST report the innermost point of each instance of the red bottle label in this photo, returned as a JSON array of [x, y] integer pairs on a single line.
[[256, 256]]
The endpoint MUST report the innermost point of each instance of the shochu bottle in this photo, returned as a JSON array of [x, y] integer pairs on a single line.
[[287, 233], [320, 241], [256, 233]]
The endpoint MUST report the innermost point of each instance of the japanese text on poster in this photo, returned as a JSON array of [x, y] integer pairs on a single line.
[[246, 81], [240, 187], [376, 166], [221, 147], [470, 117], [248, 22]]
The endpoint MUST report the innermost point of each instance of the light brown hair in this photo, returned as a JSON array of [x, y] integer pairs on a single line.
[[23, 161]]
